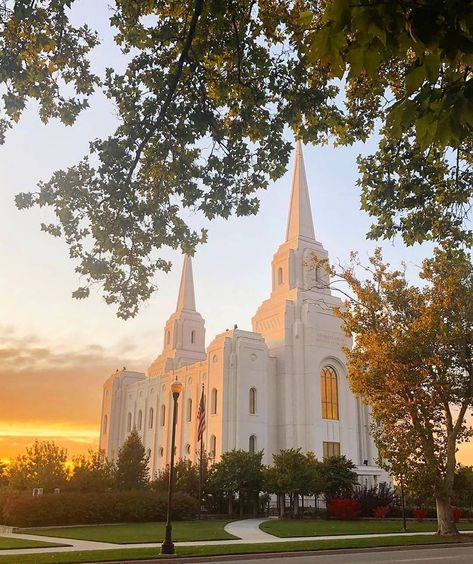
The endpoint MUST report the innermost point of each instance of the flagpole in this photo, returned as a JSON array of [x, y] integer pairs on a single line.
[[201, 473], [201, 453]]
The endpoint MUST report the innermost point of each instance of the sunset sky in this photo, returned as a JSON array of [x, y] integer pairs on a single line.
[[55, 352]]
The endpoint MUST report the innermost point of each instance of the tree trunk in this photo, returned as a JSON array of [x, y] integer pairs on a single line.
[[282, 504], [241, 504], [445, 524], [295, 505], [230, 505]]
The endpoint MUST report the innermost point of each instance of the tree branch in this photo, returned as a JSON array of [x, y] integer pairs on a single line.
[[199, 4]]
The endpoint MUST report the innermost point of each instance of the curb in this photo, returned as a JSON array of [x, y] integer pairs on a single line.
[[296, 554]]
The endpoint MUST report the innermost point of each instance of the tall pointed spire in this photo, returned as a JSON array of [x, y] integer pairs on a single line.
[[186, 299], [300, 223]]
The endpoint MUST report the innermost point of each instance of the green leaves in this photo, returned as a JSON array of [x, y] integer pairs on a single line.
[[414, 79], [326, 46], [44, 57], [204, 111]]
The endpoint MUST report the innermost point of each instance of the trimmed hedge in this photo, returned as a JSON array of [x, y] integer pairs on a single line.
[[84, 508]]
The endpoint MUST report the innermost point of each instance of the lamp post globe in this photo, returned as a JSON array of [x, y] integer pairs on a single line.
[[168, 546]]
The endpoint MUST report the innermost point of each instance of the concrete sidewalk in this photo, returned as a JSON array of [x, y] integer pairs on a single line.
[[247, 530]]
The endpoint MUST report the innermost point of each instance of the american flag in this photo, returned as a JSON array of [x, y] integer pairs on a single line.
[[201, 417]]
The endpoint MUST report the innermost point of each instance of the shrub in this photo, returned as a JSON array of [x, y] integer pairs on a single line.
[[371, 498], [82, 508], [419, 514], [457, 513], [381, 512], [344, 508]]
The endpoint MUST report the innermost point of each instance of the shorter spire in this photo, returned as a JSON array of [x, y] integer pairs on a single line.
[[300, 223], [186, 299]]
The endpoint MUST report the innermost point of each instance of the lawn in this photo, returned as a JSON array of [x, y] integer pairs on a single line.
[[146, 553], [9, 543], [123, 533], [318, 527]]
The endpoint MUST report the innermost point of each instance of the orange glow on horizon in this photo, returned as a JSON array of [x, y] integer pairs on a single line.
[[15, 436]]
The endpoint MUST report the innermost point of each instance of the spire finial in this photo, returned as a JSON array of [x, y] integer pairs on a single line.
[[186, 299], [300, 223]]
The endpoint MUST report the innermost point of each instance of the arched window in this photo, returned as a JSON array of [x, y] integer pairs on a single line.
[[252, 443], [192, 336], [252, 401], [187, 449], [280, 275], [140, 420], [168, 337], [213, 446], [189, 410], [150, 417], [128, 422], [329, 393], [163, 415], [213, 402], [105, 421]]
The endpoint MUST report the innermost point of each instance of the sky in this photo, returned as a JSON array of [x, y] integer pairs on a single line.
[[56, 352]]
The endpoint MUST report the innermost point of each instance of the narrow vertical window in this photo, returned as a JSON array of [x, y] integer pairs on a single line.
[[168, 337], [252, 443], [163, 415], [189, 410], [105, 421], [150, 417], [213, 402], [329, 393], [213, 446], [252, 401], [192, 336], [128, 422], [140, 420], [280, 275]]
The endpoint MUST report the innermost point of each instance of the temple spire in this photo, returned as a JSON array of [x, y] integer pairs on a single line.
[[186, 299], [300, 223]]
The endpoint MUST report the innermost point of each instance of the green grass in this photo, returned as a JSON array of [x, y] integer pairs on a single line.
[[146, 553], [318, 527], [123, 533], [9, 543]]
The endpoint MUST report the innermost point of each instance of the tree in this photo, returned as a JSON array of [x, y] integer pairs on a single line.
[[186, 477], [412, 364], [338, 477], [42, 466], [205, 102], [463, 486], [132, 471], [3, 473], [93, 473], [43, 57], [238, 472], [293, 473]]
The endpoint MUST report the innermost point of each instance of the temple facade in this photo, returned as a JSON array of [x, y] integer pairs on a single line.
[[282, 385]]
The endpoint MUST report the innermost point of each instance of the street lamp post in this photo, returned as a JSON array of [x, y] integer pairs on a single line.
[[168, 546], [403, 504]]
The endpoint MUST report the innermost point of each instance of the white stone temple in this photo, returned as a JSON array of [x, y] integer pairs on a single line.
[[282, 385]]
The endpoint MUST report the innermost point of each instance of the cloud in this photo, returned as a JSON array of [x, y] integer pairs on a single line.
[[52, 391]]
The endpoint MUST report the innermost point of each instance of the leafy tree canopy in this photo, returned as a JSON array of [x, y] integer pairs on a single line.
[[93, 473], [337, 476], [238, 471], [186, 477], [42, 466], [132, 471], [412, 363], [209, 93], [294, 473]]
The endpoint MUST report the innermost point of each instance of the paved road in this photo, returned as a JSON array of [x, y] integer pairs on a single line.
[[454, 555]]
